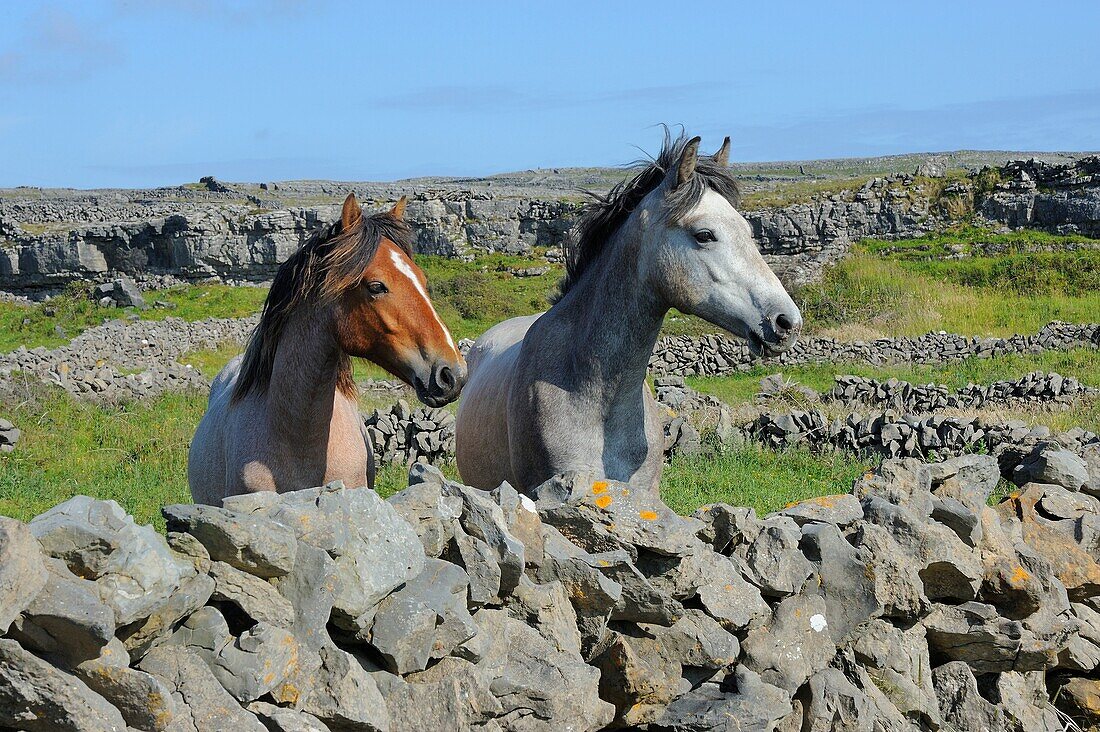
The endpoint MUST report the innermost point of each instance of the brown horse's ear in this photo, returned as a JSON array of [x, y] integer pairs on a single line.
[[688, 158], [398, 210], [351, 213], [722, 157]]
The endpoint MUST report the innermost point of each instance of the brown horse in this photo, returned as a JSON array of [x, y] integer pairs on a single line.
[[284, 416]]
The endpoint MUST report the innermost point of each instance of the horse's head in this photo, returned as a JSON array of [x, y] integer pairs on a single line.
[[698, 254], [387, 317]]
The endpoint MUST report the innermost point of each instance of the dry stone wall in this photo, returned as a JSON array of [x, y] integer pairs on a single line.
[[1035, 387], [908, 604], [716, 355]]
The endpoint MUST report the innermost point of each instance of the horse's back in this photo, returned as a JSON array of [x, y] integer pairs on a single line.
[[481, 429], [206, 460]]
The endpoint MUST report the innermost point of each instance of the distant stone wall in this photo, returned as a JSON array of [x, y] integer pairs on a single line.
[[715, 355], [1032, 388]]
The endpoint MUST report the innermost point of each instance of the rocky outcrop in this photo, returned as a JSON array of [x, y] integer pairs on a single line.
[[584, 606], [243, 233], [1064, 199]]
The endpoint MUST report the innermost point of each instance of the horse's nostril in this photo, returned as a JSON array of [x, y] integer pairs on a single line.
[[446, 378], [783, 324]]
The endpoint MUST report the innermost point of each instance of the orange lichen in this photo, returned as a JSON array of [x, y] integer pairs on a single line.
[[600, 486], [1019, 576], [603, 501], [648, 515]]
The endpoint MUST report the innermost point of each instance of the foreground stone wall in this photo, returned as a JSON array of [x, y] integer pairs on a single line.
[[909, 604]]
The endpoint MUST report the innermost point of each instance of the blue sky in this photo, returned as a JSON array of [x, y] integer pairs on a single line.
[[159, 92]]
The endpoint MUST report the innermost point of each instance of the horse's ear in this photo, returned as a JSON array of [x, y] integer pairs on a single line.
[[722, 157], [351, 212], [398, 210], [688, 158]]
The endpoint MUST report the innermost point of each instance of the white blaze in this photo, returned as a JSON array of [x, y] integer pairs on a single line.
[[404, 268]]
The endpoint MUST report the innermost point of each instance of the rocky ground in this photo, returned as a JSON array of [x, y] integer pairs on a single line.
[[242, 232], [909, 604]]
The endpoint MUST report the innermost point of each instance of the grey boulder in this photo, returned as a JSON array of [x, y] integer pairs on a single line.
[[36, 696], [132, 565], [22, 570], [252, 544]]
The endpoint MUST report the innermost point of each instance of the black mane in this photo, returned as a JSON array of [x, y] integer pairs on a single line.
[[327, 265], [605, 214]]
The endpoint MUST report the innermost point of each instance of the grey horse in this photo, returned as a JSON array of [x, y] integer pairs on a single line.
[[565, 391]]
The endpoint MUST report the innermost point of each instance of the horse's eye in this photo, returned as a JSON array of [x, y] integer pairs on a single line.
[[377, 288], [704, 236]]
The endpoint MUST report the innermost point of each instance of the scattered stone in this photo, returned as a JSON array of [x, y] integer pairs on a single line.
[[257, 599]]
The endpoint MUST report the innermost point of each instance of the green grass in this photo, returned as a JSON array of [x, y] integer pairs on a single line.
[[752, 476], [137, 455], [898, 297], [73, 312]]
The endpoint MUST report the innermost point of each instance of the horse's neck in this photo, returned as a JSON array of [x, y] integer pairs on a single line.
[[616, 321], [304, 378]]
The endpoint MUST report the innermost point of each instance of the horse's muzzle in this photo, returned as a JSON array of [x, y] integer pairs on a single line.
[[443, 386], [780, 331]]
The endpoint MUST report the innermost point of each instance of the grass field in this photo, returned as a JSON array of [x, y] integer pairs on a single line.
[[136, 453]]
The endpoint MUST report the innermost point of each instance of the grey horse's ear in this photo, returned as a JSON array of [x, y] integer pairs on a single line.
[[688, 158], [722, 157], [350, 213]]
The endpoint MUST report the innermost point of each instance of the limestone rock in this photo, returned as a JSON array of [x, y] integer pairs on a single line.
[[252, 544], [374, 548], [37, 696], [776, 564], [974, 633], [142, 635], [961, 705], [793, 646], [535, 683], [424, 620], [842, 510], [22, 570], [143, 700], [280, 719], [132, 566], [66, 619], [756, 705], [255, 597], [547, 609], [202, 702], [1047, 464], [607, 515]]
